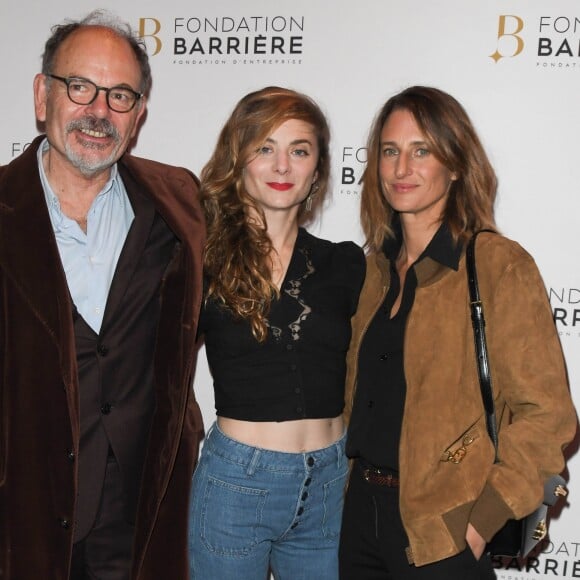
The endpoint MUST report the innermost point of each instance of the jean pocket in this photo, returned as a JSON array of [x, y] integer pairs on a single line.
[[333, 501], [230, 517]]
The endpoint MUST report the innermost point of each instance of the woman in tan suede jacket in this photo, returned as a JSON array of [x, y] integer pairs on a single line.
[[416, 509]]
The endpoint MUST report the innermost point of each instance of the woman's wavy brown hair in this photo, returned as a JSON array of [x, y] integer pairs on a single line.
[[454, 142], [237, 259]]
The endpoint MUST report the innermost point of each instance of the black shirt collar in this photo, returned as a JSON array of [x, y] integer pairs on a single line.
[[442, 248]]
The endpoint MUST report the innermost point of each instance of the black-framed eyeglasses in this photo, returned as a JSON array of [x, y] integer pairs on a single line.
[[83, 92]]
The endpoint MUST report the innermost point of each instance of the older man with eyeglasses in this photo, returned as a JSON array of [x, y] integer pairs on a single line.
[[100, 287]]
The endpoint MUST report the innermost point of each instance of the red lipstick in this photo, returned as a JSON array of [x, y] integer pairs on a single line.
[[279, 186]]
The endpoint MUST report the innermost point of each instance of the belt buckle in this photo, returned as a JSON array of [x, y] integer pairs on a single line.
[[370, 474], [377, 477]]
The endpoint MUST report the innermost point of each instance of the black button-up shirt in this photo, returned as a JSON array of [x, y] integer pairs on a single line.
[[299, 371], [375, 427]]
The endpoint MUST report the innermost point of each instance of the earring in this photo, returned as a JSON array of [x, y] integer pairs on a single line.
[[311, 194]]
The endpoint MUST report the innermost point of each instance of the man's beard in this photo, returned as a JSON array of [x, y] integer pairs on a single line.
[[86, 164]]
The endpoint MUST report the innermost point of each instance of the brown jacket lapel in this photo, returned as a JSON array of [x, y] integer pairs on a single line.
[[38, 271]]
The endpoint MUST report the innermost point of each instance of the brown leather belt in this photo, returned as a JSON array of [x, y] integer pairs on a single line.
[[376, 477]]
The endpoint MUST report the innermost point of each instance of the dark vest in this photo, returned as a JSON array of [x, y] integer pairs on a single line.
[[116, 366]]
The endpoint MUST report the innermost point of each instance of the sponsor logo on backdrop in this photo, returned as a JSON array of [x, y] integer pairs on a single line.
[[509, 41], [553, 39], [556, 560], [226, 40], [353, 163], [565, 303], [17, 147]]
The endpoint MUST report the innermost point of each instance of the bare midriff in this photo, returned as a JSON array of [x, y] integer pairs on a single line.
[[298, 436]]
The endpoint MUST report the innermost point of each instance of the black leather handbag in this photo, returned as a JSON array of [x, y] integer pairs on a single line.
[[518, 537]]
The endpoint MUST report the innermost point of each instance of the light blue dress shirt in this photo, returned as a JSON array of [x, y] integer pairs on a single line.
[[89, 259]]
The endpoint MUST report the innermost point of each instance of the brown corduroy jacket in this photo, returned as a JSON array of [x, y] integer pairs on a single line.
[[39, 409]]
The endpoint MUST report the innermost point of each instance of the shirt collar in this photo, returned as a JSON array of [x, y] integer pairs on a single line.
[[52, 200], [442, 248]]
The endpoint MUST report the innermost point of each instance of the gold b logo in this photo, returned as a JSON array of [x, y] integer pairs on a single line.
[[154, 26], [507, 32]]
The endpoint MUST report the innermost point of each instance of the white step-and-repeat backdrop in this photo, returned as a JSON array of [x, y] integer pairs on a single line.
[[514, 65]]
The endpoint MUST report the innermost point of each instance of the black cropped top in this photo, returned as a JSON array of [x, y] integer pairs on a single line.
[[299, 371]]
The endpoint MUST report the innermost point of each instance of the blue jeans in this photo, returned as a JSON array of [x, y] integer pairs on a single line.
[[253, 510]]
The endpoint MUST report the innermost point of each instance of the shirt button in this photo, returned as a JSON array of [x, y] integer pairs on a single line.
[[106, 408], [297, 390], [292, 367], [71, 456], [299, 409], [384, 356], [64, 523], [370, 404], [102, 349], [289, 347]]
